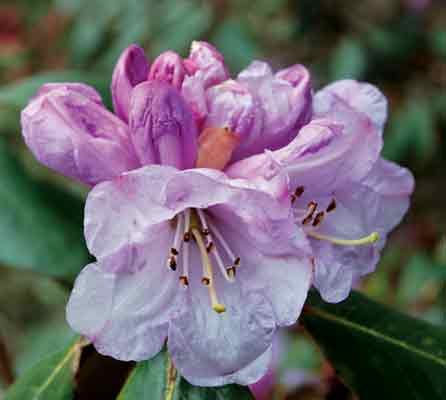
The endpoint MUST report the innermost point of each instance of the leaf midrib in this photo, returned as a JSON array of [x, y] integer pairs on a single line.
[[376, 334]]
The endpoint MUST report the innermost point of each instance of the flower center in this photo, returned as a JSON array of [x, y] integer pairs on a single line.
[[192, 224], [315, 219]]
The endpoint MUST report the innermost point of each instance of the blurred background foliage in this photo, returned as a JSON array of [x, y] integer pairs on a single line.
[[398, 45]]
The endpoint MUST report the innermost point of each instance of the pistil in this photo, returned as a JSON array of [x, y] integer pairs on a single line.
[[208, 276], [370, 239]]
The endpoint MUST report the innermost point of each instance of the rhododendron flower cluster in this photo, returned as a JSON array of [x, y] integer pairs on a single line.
[[216, 203]]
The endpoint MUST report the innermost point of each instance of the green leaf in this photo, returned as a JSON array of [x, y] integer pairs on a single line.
[[158, 379], [348, 61], [40, 225], [51, 378], [381, 353]]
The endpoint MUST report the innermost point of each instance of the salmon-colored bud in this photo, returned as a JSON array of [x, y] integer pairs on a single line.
[[215, 147]]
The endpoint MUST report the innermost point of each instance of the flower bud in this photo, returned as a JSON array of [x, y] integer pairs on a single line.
[[168, 67], [205, 58], [162, 127], [132, 68], [70, 132]]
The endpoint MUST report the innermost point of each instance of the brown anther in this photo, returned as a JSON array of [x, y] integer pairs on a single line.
[[318, 218], [293, 198], [237, 262], [205, 232], [231, 272], [209, 247], [172, 263], [186, 237], [184, 281], [312, 206], [205, 281], [331, 206], [174, 251], [299, 191]]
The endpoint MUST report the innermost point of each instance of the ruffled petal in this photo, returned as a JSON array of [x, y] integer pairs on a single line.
[[362, 97], [71, 133], [377, 204], [211, 349], [126, 314], [230, 105], [283, 275], [168, 67], [206, 59], [286, 101], [132, 68], [80, 88], [162, 127]]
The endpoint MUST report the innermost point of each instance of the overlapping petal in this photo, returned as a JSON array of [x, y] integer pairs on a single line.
[[285, 99], [69, 131], [162, 127], [132, 68]]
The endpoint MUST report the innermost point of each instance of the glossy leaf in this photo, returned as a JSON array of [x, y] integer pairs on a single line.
[[50, 379], [158, 379], [40, 225], [381, 353]]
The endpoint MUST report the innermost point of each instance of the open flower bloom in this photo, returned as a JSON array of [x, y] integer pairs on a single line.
[[183, 251], [216, 202], [345, 196]]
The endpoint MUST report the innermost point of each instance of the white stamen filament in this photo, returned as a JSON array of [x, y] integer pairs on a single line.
[[185, 277], [223, 242], [207, 266], [178, 239], [213, 249], [370, 239]]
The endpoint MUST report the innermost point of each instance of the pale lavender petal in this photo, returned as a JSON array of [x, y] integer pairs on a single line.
[[211, 349], [282, 274], [384, 194], [80, 88], [126, 315], [194, 92], [162, 127], [74, 135], [205, 58], [132, 68], [286, 101], [230, 105], [168, 67], [360, 96]]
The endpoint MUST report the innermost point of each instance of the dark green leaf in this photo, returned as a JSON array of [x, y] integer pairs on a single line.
[[158, 379], [50, 379], [348, 61], [381, 353], [40, 226]]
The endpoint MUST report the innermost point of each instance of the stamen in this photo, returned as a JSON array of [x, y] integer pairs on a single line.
[[225, 245], [318, 218], [331, 206], [208, 278], [176, 247], [297, 193], [370, 239], [184, 279], [312, 206]]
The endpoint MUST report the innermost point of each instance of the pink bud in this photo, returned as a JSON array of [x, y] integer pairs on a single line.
[[168, 67], [132, 68]]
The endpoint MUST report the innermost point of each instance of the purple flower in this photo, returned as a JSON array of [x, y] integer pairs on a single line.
[[199, 182], [346, 197]]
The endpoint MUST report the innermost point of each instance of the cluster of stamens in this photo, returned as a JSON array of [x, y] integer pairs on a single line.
[[193, 225], [314, 218]]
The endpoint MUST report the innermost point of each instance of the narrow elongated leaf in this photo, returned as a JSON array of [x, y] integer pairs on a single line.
[[50, 379], [40, 226], [381, 353], [158, 379]]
